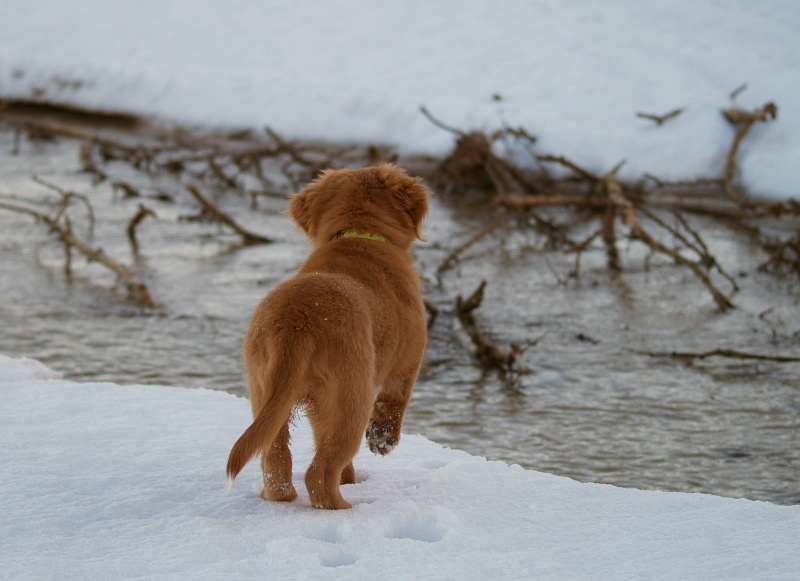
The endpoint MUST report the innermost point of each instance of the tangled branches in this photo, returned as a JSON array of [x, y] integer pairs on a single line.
[[200, 165], [629, 210]]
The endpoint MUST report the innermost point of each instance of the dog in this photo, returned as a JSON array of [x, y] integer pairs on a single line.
[[344, 338]]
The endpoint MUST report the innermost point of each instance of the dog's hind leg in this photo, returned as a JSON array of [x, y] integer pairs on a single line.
[[276, 466], [337, 435]]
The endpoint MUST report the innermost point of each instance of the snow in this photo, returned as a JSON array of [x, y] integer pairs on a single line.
[[572, 72], [104, 481]]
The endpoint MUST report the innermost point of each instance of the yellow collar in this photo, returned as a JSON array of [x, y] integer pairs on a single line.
[[355, 233]]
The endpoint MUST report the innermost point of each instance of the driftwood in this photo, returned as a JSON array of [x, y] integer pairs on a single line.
[[608, 194], [248, 237], [218, 160], [728, 353], [743, 121], [508, 362], [617, 205]]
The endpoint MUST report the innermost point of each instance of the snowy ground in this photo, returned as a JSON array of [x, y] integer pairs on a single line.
[[102, 481], [572, 72]]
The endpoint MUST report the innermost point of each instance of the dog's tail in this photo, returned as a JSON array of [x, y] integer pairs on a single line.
[[286, 384]]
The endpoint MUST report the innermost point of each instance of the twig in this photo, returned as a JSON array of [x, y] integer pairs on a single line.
[[683, 183], [557, 200], [217, 170], [453, 257], [143, 213], [614, 190], [661, 119], [247, 236], [438, 123], [585, 174], [66, 197], [729, 353], [737, 91]]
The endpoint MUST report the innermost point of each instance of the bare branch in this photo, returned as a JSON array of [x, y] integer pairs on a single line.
[[743, 121], [438, 123], [453, 257], [729, 353], [490, 356], [140, 215], [248, 237], [137, 290]]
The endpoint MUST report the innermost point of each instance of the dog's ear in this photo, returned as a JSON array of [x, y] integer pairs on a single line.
[[300, 209], [413, 198]]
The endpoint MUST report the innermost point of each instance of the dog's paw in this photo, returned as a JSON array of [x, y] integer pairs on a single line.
[[381, 438]]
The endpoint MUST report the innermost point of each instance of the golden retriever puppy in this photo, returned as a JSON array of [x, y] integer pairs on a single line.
[[344, 338]]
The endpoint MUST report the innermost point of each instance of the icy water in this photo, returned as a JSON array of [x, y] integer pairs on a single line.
[[594, 407]]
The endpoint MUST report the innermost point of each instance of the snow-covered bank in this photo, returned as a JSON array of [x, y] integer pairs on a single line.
[[574, 73], [102, 481]]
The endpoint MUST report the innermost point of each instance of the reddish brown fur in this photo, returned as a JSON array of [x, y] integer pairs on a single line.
[[349, 323]]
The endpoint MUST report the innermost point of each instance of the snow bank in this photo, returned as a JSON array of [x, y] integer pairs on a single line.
[[572, 72], [102, 481]]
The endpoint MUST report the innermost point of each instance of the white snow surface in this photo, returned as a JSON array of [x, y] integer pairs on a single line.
[[104, 481], [572, 72]]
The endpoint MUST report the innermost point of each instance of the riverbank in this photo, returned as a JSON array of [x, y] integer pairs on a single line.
[[109, 481]]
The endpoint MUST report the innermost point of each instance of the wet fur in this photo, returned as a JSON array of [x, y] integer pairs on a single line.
[[344, 338]]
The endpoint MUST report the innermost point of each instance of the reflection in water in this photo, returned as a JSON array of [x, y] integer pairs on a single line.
[[594, 407]]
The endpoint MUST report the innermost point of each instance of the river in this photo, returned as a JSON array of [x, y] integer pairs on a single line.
[[596, 405]]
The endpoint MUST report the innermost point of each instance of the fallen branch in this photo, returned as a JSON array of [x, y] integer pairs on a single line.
[[743, 121], [729, 353], [137, 290], [558, 200], [66, 197], [509, 363], [440, 124], [209, 206], [560, 159]]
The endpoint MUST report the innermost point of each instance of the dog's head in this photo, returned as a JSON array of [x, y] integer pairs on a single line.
[[382, 199]]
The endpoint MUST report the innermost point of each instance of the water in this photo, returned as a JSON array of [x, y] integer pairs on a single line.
[[594, 407]]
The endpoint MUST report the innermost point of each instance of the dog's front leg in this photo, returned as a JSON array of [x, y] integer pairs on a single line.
[[383, 432]]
